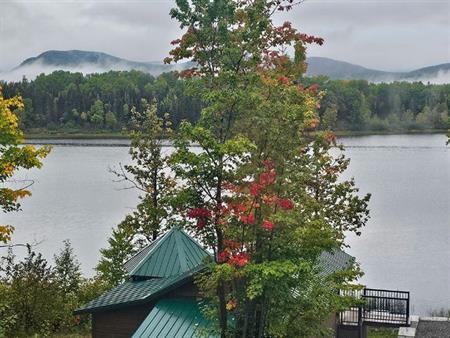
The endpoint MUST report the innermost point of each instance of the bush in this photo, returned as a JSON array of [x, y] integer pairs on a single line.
[[38, 299]]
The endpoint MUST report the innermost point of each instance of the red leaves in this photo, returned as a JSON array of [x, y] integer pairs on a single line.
[[267, 178], [313, 88], [268, 225], [202, 214], [223, 256], [247, 219], [199, 212], [231, 244], [285, 204], [255, 189], [310, 39], [284, 80], [239, 260], [201, 223]]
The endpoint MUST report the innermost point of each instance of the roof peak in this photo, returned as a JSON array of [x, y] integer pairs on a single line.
[[174, 253]]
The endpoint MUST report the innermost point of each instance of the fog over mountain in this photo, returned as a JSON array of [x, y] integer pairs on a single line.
[[88, 62]]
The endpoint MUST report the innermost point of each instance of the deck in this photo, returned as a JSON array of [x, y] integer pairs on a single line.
[[379, 308]]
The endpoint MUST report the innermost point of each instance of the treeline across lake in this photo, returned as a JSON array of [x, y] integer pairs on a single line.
[[98, 102], [64, 101]]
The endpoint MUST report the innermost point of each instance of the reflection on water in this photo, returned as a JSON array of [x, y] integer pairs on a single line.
[[405, 246]]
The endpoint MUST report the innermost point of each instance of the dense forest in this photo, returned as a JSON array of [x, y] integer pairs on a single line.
[[65, 102]]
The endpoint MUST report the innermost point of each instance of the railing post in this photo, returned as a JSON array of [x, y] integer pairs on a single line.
[[407, 310], [360, 322]]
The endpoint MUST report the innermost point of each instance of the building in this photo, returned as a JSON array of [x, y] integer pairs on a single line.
[[160, 297]]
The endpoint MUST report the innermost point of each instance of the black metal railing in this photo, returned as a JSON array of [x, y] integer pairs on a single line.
[[378, 308]]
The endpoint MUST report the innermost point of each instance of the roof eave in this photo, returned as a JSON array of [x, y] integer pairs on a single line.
[[151, 297]]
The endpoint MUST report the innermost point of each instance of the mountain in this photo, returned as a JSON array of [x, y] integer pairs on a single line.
[[77, 58], [97, 62], [335, 69], [82, 61]]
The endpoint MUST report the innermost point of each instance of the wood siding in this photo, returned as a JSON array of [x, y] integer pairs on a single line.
[[123, 322], [119, 323]]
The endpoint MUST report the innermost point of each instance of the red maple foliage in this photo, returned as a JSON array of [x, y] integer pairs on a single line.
[[268, 225]]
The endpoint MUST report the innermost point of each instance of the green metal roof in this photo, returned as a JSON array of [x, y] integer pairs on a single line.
[[134, 292], [136, 259], [334, 261], [168, 262], [175, 253], [175, 318]]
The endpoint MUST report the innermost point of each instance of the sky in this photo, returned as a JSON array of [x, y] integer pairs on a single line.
[[392, 35]]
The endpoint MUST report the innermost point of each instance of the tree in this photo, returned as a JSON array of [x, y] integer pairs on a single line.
[[149, 174], [240, 191], [31, 293], [329, 118], [67, 270], [110, 120], [97, 113], [14, 156], [37, 299], [121, 247]]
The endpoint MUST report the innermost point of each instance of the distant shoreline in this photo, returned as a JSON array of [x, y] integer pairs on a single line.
[[121, 136]]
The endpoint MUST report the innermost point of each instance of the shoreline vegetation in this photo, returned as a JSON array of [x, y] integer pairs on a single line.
[[83, 135], [73, 105]]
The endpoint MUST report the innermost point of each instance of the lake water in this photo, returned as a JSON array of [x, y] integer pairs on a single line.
[[406, 244]]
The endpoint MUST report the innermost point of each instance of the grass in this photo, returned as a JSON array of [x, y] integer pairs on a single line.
[[382, 333]]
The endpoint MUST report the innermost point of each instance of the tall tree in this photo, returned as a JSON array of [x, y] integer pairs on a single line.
[[150, 175], [240, 190]]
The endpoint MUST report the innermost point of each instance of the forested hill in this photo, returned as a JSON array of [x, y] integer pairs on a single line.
[[97, 62], [340, 70], [65, 101]]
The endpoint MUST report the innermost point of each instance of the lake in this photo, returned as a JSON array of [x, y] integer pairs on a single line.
[[406, 244]]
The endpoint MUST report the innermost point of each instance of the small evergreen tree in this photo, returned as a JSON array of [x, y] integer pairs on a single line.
[[121, 247], [67, 270]]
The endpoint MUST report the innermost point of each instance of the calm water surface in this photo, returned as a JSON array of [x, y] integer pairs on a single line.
[[406, 244]]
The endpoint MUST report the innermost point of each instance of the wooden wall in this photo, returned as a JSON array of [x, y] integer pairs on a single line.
[[123, 322], [120, 323]]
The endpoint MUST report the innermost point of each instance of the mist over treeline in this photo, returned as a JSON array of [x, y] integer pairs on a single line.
[[65, 101]]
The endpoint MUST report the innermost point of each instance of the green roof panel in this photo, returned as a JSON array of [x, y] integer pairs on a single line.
[[132, 292], [334, 261], [168, 262], [175, 253], [175, 318]]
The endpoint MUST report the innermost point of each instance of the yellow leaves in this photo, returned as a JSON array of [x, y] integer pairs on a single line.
[[9, 132], [8, 169], [5, 233], [231, 305], [13, 156], [22, 193]]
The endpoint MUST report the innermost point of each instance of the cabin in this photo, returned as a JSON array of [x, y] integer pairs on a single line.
[[159, 299]]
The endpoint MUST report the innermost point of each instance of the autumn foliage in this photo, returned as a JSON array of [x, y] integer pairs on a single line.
[[13, 156]]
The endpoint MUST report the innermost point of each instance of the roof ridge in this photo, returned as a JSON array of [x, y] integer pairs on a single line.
[[181, 253], [149, 254], [175, 253]]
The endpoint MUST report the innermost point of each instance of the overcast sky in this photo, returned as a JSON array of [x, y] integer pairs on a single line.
[[382, 34]]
